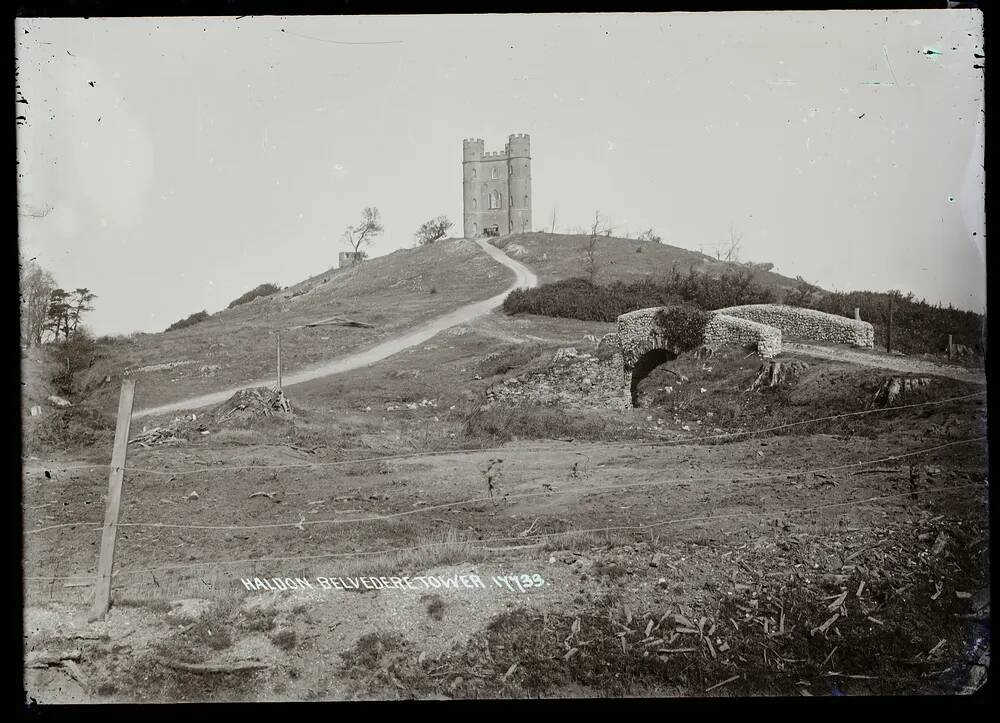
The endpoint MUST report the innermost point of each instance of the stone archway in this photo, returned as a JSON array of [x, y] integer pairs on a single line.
[[645, 364]]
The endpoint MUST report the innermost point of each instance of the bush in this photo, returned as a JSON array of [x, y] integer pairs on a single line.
[[917, 327], [684, 324], [72, 356], [580, 299], [534, 421], [189, 321], [262, 290]]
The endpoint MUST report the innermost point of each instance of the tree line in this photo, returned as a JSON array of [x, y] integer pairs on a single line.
[[49, 312]]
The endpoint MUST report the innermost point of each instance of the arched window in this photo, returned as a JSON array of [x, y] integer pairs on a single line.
[[495, 200], [475, 229], [510, 200], [525, 201], [495, 176], [473, 172], [475, 203]]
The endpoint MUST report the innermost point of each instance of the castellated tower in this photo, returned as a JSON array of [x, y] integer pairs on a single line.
[[496, 187]]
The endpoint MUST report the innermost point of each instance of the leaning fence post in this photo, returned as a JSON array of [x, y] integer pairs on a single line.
[[951, 348], [102, 587]]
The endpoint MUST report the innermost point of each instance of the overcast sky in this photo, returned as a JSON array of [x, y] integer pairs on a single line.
[[183, 161]]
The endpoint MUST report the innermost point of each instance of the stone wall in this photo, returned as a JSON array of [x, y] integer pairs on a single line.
[[725, 329], [807, 323]]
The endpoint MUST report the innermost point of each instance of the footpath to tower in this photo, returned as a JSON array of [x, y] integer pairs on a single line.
[[523, 278]]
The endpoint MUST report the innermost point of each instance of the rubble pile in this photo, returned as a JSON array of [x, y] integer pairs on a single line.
[[572, 380]]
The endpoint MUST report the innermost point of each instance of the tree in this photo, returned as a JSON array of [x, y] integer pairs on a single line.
[[590, 249], [57, 314], [431, 231], [649, 235], [729, 250], [36, 287], [365, 233], [79, 304]]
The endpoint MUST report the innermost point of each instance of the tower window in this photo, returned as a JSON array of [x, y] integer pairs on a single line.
[[495, 176], [510, 200], [525, 201], [495, 199], [475, 229], [473, 172], [475, 203]]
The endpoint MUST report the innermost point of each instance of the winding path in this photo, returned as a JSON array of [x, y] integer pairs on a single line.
[[523, 278]]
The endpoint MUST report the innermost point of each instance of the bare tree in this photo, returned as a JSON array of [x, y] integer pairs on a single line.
[[431, 231], [649, 235], [590, 250], [365, 233], [37, 285], [729, 250]]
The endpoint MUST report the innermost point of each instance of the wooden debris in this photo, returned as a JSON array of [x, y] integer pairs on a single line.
[[210, 668], [509, 672], [825, 626], [838, 602], [860, 588], [157, 435], [727, 681], [936, 647], [269, 495], [830, 655]]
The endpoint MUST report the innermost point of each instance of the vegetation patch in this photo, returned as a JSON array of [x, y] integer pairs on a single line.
[[684, 325], [499, 424], [581, 299], [255, 293], [188, 321]]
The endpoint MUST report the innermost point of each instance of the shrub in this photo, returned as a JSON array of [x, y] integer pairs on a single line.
[[685, 325], [580, 299], [72, 356], [917, 326], [188, 321], [262, 290]]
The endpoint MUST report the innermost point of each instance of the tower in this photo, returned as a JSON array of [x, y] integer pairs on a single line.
[[496, 187]]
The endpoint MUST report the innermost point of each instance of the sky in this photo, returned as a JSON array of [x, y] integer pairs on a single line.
[[171, 164]]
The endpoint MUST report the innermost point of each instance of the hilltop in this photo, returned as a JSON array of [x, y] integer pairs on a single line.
[[561, 256]]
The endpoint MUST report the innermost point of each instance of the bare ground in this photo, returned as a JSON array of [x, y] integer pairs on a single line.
[[687, 568]]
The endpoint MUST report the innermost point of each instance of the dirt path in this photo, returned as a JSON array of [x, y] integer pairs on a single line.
[[523, 278], [905, 365]]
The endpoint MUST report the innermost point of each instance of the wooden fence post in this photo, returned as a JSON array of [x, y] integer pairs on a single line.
[[279, 360], [857, 314], [951, 348], [102, 587]]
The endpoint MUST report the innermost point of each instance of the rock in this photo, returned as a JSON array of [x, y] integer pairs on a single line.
[[189, 610], [193, 495], [59, 401], [564, 353], [36, 411], [662, 583], [939, 544]]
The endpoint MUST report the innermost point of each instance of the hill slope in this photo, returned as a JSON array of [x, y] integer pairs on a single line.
[[562, 256], [394, 292]]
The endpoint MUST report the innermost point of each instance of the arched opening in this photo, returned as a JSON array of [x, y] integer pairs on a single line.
[[646, 364], [495, 174], [473, 172], [475, 203], [494, 199], [475, 228]]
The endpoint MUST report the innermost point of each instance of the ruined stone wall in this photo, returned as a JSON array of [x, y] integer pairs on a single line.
[[807, 323], [725, 329]]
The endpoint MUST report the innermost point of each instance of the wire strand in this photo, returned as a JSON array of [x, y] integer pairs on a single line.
[[525, 495]]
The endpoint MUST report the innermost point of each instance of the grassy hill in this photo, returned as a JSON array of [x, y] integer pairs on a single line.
[[394, 292], [562, 256]]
